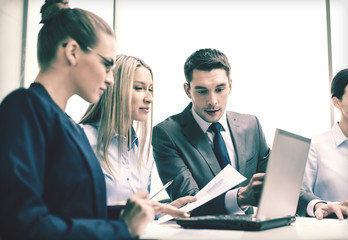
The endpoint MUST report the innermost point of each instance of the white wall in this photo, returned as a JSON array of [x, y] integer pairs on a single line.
[[277, 50], [11, 18], [339, 32]]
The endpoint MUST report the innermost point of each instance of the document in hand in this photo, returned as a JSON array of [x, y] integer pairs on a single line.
[[222, 182]]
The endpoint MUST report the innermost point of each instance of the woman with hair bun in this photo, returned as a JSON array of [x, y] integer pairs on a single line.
[[52, 186]]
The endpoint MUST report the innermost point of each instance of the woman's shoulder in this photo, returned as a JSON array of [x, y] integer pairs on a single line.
[[19, 96], [91, 127], [91, 131], [32, 100]]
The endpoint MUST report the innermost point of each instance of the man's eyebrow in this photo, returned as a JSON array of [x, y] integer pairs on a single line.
[[199, 87], [221, 85]]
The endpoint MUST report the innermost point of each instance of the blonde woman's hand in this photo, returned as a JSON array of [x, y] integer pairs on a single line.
[[119, 203], [180, 202], [173, 208]]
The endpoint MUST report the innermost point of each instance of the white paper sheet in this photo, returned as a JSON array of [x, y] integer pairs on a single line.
[[222, 182]]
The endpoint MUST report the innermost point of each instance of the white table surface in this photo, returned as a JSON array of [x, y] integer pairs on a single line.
[[302, 228]]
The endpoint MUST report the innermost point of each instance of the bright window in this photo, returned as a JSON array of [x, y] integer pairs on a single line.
[[277, 50]]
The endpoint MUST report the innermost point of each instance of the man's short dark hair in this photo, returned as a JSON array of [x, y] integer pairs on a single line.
[[206, 60]]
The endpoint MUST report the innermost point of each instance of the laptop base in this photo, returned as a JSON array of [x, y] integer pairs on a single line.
[[234, 222]]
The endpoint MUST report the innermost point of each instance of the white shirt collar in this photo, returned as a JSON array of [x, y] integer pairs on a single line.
[[338, 135], [134, 137], [204, 125]]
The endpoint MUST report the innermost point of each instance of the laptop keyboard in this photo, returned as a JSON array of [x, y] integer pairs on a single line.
[[226, 217]]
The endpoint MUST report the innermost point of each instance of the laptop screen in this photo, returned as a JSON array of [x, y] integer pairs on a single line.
[[284, 174]]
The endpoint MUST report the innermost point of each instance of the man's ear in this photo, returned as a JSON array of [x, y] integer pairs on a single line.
[[187, 90], [336, 102], [72, 52], [230, 85]]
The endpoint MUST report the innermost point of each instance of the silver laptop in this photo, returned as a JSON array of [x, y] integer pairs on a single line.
[[280, 193]]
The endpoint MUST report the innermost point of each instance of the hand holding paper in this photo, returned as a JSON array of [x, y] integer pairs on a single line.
[[222, 182]]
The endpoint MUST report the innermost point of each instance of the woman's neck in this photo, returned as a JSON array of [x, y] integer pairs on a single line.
[[56, 86]]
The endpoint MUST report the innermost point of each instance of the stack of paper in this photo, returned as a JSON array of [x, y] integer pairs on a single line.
[[222, 182]]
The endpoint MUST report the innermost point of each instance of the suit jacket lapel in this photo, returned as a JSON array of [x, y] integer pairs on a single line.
[[98, 180], [198, 139], [238, 145]]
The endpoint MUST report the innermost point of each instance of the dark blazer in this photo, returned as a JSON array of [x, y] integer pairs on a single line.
[[51, 183], [305, 198], [182, 152]]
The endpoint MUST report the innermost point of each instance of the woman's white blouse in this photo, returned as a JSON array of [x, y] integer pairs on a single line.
[[117, 186], [326, 173]]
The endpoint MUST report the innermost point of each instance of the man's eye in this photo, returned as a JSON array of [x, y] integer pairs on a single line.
[[219, 89], [202, 92]]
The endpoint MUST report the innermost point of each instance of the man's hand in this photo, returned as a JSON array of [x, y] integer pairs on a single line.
[[344, 203], [324, 210], [250, 194], [137, 213]]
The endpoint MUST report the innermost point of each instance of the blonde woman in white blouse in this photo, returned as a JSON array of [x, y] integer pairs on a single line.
[[112, 126]]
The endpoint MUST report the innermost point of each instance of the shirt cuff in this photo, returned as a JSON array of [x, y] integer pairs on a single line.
[[231, 202], [310, 207]]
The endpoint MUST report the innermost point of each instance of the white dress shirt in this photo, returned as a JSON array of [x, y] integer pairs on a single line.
[[117, 186], [326, 170], [231, 203]]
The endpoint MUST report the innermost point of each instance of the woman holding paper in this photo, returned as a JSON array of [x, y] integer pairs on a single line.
[[111, 125]]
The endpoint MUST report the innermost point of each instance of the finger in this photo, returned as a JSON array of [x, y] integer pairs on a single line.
[[183, 201], [256, 183], [158, 209], [344, 203], [257, 186], [344, 210], [174, 212], [319, 214], [338, 212], [186, 199], [258, 176], [119, 203]]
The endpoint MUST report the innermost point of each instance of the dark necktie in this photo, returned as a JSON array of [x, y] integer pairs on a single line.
[[220, 149]]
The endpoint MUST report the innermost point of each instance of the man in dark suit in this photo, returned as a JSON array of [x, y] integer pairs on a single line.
[[188, 149]]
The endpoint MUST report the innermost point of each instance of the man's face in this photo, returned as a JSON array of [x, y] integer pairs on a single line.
[[209, 93]]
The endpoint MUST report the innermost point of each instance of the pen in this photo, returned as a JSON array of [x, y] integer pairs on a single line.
[[131, 185], [164, 187]]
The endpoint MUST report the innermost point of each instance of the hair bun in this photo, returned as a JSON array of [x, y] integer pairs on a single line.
[[51, 8]]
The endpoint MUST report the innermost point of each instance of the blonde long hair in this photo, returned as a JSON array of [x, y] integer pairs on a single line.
[[113, 113]]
